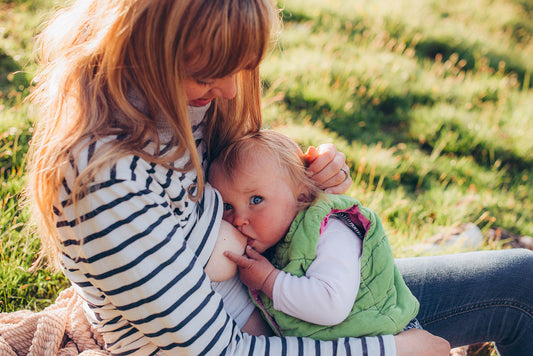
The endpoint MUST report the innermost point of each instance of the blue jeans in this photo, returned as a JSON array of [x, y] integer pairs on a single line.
[[476, 297]]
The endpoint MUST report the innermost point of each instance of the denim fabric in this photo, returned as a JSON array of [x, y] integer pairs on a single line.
[[413, 324], [476, 297]]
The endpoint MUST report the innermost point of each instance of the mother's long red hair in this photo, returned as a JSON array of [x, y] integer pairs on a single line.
[[95, 54]]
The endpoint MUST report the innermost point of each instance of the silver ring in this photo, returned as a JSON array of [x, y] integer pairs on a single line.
[[346, 174]]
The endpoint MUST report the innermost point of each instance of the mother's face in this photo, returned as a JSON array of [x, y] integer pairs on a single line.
[[201, 92]]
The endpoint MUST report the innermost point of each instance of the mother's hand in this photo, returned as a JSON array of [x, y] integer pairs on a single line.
[[416, 342], [328, 168]]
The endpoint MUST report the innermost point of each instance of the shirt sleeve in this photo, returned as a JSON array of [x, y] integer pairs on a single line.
[[331, 281], [237, 302]]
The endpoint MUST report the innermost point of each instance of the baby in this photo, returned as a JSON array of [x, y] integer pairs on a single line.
[[330, 271]]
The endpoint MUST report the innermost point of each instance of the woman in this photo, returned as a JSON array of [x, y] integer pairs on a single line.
[[136, 96]]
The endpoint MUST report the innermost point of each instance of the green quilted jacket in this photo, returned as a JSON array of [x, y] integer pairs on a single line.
[[384, 304]]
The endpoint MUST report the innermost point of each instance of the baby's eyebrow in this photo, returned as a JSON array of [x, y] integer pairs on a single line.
[[249, 190]]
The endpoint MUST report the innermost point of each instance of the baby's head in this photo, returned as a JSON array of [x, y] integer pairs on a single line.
[[268, 146], [264, 185]]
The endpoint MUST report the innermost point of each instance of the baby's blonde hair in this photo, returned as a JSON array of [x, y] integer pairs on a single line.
[[97, 55], [266, 145]]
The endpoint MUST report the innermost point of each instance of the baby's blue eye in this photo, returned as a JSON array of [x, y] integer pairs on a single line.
[[227, 206], [256, 199]]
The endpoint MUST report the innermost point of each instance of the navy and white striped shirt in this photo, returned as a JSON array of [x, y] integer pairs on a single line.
[[136, 256]]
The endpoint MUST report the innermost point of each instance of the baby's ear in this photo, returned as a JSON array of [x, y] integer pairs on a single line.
[[304, 196]]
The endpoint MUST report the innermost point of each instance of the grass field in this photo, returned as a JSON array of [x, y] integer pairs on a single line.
[[431, 101]]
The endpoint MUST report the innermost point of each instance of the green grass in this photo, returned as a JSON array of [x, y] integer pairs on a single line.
[[19, 288], [431, 102]]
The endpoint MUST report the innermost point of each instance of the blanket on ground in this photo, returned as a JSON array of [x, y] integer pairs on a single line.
[[61, 329]]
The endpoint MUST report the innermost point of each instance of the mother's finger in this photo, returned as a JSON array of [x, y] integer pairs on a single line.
[[326, 166], [333, 174], [322, 156], [343, 186]]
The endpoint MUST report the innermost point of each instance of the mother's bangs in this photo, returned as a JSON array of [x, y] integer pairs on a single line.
[[224, 45]]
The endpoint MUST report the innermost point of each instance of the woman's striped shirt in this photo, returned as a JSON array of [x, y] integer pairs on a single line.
[[136, 256]]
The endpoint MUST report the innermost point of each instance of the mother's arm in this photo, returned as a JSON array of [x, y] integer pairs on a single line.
[[420, 342]]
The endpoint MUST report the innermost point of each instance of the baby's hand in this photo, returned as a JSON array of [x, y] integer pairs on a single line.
[[255, 270]]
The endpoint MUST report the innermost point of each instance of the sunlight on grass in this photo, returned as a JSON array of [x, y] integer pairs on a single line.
[[430, 115]]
